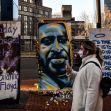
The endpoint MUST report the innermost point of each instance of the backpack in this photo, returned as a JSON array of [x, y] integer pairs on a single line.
[[105, 83]]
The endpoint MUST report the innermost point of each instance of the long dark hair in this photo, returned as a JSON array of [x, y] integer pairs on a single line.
[[93, 49], [98, 55], [89, 46]]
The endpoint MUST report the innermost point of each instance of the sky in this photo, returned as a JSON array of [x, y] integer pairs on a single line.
[[78, 6], [15, 9]]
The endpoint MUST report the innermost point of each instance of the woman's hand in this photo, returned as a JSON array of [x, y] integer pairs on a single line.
[[68, 70]]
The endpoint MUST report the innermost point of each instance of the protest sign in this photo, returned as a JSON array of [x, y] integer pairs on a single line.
[[9, 61], [102, 37]]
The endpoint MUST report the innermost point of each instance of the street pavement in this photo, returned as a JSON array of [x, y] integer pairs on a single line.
[[28, 68]]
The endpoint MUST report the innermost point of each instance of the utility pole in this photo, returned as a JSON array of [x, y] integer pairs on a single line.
[[98, 8], [6, 11]]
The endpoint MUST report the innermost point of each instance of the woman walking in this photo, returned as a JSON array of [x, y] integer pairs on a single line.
[[87, 95]]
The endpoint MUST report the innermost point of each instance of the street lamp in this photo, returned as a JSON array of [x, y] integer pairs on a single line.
[[98, 8]]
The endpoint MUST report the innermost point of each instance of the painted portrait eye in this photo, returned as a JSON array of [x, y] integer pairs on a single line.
[[62, 40], [47, 40]]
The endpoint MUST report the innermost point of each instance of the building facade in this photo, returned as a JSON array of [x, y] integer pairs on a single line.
[[6, 10], [67, 11], [106, 18], [76, 26], [107, 3], [30, 11]]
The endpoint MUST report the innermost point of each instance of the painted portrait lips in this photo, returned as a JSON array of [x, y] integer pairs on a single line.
[[58, 63], [57, 59]]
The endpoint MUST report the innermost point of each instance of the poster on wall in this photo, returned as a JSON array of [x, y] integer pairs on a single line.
[[54, 51], [102, 37], [9, 61]]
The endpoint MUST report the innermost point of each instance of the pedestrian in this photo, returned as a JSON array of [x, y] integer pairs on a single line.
[[87, 95], [99, 55]]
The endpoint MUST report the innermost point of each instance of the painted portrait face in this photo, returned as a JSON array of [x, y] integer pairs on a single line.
[[54, 47]]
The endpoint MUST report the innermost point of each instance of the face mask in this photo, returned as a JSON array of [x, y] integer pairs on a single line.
[[80, 53]]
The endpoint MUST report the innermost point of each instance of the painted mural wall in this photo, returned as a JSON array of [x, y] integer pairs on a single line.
[[53, 52]]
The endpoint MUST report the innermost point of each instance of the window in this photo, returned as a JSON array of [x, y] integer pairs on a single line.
[[25, 28], [40, 11], [20, 7], [25, 0], [30, 18], [46, 13], [25, 18], [30, 9], [25, 8], [25, 24], [38, 15], [30, 29], [19, 17], [30, 24], [31, 1]]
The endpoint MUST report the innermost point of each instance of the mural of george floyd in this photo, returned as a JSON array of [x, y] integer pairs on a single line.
[[9, 61], [53, 53]]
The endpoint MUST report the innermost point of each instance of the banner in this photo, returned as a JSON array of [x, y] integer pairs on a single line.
[[9, 61], [53, 52], [102, 37]]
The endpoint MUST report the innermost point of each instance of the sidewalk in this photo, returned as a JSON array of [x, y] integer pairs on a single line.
[[36, 102]]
